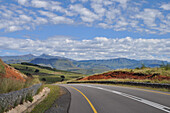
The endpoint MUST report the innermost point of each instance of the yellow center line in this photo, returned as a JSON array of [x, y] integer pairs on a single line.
[[94, 110], [145, 90]]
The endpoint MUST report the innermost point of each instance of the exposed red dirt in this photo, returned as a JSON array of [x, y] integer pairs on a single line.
[[125, 75], [10, 72]]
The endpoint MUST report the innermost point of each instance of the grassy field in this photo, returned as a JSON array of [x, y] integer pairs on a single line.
[[49, 75], [161, 71], [49, 100]]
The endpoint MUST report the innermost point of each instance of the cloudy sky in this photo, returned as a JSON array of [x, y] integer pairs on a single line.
[[86, 29]]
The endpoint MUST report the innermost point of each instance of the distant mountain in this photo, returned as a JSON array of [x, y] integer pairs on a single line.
[[84, 66], [45, 56], [58, 63], [95, 66], [118, 63], [109, 64], [17, 59], [26, 58]]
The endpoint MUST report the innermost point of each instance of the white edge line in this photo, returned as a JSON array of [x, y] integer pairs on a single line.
[[150, 103]]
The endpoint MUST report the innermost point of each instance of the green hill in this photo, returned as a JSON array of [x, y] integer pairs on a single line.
[[50, 75]]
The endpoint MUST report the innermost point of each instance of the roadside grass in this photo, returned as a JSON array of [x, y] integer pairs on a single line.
[[156, 70], [10, 84], [49, 100]]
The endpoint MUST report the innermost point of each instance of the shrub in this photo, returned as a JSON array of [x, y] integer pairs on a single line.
[[40, 89], [37, 70], [143, 66], [43, 79], [137, 68], [29, 98]]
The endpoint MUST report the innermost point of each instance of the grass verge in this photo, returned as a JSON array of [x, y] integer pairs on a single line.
[[49, 100], [10, 84]]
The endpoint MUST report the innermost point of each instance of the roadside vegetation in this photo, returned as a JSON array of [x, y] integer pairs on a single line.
[[49, 100], [162, 76], [10, 84], [13, 83], [165, 71]]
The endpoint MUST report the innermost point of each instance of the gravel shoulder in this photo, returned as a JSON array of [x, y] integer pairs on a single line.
[[62, 104]]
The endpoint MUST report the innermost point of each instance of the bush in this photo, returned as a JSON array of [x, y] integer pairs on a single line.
[[37, 70], [165, 66], [143, 66], [29, 98], [137, 68]]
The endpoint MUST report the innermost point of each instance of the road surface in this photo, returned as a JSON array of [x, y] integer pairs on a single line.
[[88, 98]]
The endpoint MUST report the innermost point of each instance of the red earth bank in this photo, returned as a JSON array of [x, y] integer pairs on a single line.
[[10, 72], [125, 75]]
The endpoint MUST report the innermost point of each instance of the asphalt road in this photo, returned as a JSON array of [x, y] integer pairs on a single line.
[[88, 98]]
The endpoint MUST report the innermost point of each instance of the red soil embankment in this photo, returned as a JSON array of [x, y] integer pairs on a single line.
[[125, 75], [10, 72]]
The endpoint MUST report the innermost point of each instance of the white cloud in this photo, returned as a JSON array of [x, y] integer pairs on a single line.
[[23, 2], [97, 48], [85, 14], [55, 18], [39, 3], [119, 15], [165, 6], [13, 28], [149, 16]]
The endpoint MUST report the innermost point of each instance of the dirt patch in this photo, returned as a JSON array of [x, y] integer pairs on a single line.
[[126, 75], [10, 72]]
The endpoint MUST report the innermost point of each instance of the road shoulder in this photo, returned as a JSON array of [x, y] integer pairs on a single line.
[[62, 104]]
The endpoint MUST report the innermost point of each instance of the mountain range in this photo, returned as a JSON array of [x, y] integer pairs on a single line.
[[83, 66]]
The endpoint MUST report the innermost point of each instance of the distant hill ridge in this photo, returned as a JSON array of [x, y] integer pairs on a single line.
[[84, 66]]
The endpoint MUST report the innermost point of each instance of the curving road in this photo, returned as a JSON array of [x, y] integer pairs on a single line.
[[88, 98]]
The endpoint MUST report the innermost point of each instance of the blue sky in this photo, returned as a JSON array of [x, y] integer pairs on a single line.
[[86, 29]]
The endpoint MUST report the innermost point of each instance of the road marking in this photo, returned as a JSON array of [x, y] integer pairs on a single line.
[[147, 102], [91, 105], [144, 90]]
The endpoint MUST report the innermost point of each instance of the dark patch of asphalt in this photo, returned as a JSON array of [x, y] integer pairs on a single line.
[[62, 104]]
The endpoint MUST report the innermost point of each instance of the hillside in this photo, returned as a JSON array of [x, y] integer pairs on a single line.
[[47, 74], [61, 64], [7, 71], [158, 75]]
